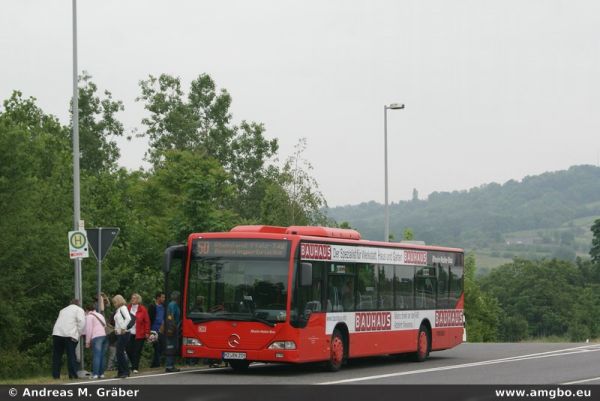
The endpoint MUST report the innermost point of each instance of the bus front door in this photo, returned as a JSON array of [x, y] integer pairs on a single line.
[[174, 270]]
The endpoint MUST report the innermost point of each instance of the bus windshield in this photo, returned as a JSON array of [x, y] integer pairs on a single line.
[[236, 288]]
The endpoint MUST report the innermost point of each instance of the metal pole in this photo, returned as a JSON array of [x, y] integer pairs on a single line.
[[75, 122], [100, 300], [76, 198], [386, 233]]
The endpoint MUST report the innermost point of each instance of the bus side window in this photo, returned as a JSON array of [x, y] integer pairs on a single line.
[[404, 277], [334, 302], [443, 287], [366, 285], [400, 304], [386, 288], [426, 288], [456, 281], [339, 294]]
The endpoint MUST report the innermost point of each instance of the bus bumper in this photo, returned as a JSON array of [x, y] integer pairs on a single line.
[[264, 355]]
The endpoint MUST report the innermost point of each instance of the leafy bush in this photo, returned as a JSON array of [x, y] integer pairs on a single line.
[[578, 332], [513, 329], [15, 364]]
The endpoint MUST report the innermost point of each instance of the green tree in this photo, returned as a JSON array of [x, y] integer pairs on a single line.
[[585, 319], [306, 203], [185, 193], [274, 206], [513, 328], [542, 292], [201, 122], [595, 251], [590, 272], [482, 311], [98, 126], [35, 205], [408, 234]]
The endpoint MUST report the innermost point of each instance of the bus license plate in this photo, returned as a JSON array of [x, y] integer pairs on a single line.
[[234, 355]]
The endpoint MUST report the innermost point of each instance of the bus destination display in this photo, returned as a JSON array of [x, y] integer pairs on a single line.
[[246, 248]]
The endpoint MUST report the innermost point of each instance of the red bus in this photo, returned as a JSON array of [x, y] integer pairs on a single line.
[[306, 294]]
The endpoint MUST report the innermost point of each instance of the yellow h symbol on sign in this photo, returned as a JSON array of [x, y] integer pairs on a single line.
[[78, 240]]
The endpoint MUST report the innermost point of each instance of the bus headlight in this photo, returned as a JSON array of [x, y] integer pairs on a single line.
[[192, 341], [283, 345]]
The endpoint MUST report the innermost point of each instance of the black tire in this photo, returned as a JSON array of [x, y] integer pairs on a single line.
[[337, 352], [423, 345], [239, 366]]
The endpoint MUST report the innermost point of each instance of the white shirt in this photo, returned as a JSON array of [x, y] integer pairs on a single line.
[[134, 308], [70, 322], [122, 319]]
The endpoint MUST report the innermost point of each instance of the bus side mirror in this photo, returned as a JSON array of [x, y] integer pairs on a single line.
[[173, 252], [306, 274]]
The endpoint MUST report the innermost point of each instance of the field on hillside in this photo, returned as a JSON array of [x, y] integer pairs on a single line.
[[571, 239]]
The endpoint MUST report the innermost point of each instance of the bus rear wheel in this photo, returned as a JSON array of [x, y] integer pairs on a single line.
[[239, 366], [337, 351], [423, 345]]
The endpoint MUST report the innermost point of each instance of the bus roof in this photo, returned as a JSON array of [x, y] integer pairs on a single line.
[[312, 231], [348, 236]]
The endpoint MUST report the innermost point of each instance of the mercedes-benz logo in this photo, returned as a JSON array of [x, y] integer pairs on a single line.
[[234, 340]]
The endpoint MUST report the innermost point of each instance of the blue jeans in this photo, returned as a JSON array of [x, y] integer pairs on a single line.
[[99, 347]]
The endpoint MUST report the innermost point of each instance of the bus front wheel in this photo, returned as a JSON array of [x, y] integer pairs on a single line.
[[423, 344], [239, 366], [337, 351]]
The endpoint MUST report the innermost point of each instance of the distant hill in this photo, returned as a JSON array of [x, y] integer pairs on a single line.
[[547, 215]]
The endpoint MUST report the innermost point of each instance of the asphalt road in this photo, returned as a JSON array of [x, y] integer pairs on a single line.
[[467, 364]]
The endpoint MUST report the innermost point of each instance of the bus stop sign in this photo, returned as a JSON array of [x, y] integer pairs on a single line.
[[101, 239], [78, 244]]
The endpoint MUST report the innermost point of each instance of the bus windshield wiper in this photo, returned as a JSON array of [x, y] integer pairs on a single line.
[[258, 319], [238, 317]]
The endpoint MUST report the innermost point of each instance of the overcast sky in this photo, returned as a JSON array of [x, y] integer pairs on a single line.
[[494, 90]]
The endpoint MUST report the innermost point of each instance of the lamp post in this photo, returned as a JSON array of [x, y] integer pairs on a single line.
[[392, 106], [77, 225]]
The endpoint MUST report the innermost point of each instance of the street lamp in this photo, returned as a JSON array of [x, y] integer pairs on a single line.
[[392, 106], [77, 223]]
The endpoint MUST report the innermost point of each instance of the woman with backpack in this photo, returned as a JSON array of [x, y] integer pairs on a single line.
[[122, 320], [139, 332], [96, 338]]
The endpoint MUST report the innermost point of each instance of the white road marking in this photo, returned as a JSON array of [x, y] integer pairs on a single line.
[[583, 381], [100, 381], [548, 354]]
